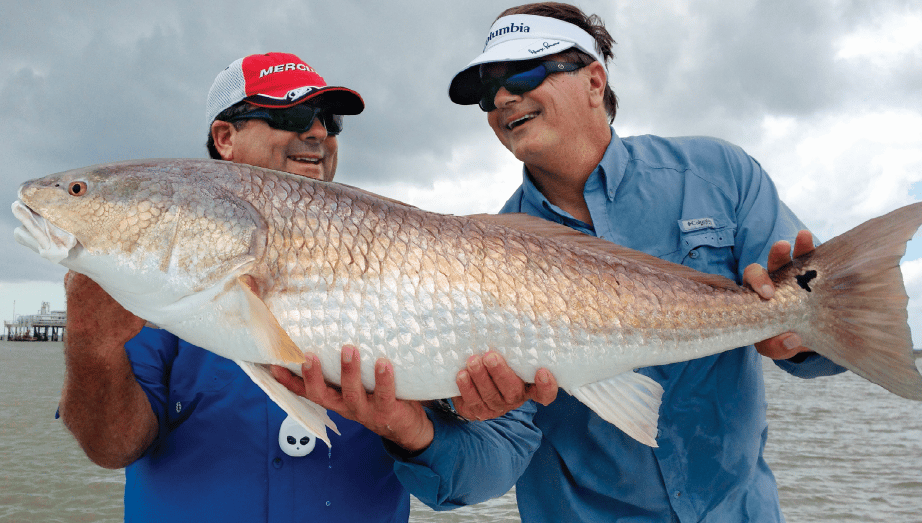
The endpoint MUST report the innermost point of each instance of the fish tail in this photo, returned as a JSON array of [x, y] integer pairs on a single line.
[[862, 322]]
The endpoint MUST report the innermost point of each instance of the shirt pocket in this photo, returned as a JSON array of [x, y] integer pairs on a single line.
[[710, 250], [201, 381]]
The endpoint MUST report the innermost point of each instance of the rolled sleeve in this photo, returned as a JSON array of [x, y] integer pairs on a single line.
[[151, 354]]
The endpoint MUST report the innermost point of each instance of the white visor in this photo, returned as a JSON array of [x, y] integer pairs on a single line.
[[520, 37]]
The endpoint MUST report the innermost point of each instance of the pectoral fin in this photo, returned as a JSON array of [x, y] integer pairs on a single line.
[[311, 416], [272, 341], [629, 401]]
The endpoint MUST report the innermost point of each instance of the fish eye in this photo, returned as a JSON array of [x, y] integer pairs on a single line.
[[77, 188]]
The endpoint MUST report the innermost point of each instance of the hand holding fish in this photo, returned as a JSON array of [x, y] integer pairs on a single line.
[[490, 388], [403, 422], [783, 346]]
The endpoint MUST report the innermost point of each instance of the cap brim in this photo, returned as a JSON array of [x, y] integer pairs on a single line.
[[339, 100], [466, 89]]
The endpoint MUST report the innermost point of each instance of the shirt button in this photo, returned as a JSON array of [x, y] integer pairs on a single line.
[[678, 494], [277, 463], [693, 254], [328, 503]]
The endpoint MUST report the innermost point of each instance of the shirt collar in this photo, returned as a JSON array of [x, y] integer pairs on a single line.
[[609, 172]]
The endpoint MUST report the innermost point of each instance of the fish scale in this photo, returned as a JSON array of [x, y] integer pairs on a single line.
[[172, 241]]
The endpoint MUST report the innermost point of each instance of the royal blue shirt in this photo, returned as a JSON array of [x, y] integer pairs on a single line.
[[706, 204], [217, 455]]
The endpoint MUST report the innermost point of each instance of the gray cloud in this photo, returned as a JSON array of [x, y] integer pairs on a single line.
[[90, 84]]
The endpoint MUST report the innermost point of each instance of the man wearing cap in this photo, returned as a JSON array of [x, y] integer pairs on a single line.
[[701, 202], [199, 440]]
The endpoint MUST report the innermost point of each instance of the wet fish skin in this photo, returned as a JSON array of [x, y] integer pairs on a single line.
[[171, 239]]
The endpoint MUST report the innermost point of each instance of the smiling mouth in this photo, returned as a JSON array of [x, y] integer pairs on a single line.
[[519, 121], [309, 161]]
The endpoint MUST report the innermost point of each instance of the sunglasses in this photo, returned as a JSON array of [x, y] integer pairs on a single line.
[[297, 119], [522, 79]]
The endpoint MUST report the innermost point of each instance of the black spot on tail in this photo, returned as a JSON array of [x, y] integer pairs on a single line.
[[804, 279]]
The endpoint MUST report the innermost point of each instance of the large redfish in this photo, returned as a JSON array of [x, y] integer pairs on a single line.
[[171, 240]]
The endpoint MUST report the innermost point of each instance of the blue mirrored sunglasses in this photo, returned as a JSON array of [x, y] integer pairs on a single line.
[[297, 119], [522, 79]]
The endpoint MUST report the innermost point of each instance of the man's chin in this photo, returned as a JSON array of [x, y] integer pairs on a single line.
[[308, 170]]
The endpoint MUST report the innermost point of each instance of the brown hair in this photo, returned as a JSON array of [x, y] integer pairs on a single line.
[[592, 24]]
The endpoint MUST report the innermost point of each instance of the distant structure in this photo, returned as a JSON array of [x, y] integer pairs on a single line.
[[47, 325]]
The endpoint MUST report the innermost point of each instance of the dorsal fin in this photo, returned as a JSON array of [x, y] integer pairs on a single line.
[[547, 229]]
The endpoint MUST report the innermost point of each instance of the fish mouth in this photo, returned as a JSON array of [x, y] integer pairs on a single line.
[[40, 235]]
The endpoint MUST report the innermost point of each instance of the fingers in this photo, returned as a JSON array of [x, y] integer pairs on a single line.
[[803, 244], [354, 397], [288, 379], [493, 387], [385, 394], [315, 388], [499, 386], [403, 422], [478, 391], [490, 388], [781, 347], [779, 255], [756, 277], [544, 390]]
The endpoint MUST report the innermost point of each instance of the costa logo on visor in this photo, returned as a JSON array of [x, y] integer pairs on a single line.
[[523, 78], [297, 119]]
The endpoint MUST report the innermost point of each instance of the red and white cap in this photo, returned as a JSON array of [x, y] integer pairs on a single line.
[[276, 80]]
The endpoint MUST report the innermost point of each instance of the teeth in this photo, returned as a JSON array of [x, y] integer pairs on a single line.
[[305, 160], [520, 121]]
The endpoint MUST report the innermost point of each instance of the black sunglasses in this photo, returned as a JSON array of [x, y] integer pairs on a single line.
[[297, 119], [522, 79]]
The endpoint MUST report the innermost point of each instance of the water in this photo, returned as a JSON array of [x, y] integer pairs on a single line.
[[841, 449]]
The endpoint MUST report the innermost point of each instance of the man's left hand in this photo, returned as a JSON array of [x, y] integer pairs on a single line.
[[403, 422], [490, 388], [783, 346]]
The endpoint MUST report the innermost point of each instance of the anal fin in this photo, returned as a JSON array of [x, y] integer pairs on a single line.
[[629, 401], [311, 416]]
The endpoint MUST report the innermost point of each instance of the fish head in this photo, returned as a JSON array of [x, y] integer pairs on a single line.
[[150, 233]]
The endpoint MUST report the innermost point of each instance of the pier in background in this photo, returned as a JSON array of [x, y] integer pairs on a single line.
[[47, 325]]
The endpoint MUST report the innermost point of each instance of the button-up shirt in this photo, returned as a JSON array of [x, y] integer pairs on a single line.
[[706, 204]]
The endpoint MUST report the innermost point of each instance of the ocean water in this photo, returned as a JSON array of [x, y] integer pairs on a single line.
[[842, 449]]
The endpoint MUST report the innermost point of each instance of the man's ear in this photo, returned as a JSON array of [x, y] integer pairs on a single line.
[[223, 134], [598, 81]]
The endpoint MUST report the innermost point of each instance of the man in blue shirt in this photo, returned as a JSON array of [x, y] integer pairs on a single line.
[[697, 201], [199, 440]]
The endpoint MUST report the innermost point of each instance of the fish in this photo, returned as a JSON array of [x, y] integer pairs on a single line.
[[175, 242]]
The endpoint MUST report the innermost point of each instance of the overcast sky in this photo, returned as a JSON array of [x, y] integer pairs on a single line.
[[825, 94]]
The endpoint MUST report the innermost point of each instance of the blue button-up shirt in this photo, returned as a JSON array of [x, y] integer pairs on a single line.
[[706, 204], [217, 455]]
